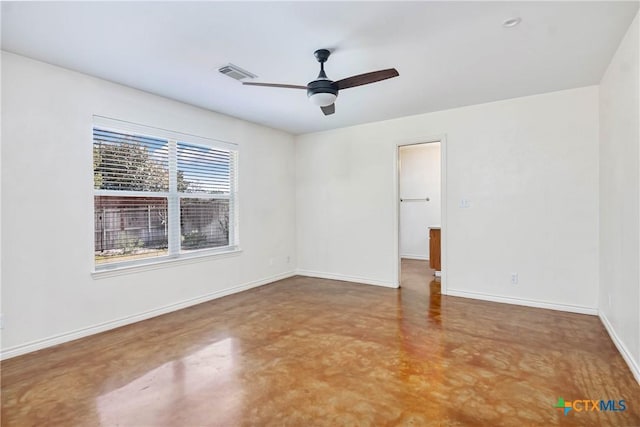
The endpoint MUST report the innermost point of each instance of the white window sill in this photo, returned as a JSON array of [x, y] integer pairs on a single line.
[[164, 262]]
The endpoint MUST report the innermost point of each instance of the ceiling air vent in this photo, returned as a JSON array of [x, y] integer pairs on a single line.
[[236, 72]]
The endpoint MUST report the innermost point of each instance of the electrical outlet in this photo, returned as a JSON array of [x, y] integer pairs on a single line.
[[514, 278]]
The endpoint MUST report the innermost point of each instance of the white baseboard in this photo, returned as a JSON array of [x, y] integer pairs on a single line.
[[524, 302], [626, 354], [331, 276], [102, 327], [415, 256]]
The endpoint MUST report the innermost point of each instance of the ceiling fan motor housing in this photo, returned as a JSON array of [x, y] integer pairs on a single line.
[[322, 86]]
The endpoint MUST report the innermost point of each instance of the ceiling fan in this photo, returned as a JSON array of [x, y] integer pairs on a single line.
[[323, 92]]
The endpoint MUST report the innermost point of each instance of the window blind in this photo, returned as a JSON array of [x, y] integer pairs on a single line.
[[204, 169], [128, 162]]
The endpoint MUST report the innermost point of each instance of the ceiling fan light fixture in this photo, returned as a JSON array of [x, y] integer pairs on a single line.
[[322, 99], [322, 92]]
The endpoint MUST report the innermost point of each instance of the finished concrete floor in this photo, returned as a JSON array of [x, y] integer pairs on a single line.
[[314, 352]]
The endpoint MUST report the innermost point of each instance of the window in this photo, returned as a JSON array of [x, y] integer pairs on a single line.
[[160, 195]]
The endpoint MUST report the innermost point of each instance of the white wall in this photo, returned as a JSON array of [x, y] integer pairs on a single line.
[[47, 207], [528, 166], [620, 198], [419, 178], [1, 316]]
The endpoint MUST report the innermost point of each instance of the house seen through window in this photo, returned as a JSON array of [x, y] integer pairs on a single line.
[[160, 198]]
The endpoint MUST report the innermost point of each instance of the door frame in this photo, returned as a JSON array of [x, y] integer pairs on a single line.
[[442, 139]]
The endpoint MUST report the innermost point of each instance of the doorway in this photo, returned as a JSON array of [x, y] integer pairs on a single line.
[[421, 206]]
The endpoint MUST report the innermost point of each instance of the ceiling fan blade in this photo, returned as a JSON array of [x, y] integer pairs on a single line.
[[329, 109], [275, 85], [366, 78]]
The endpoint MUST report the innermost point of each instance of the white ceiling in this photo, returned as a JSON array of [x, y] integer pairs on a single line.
[[449, 54]]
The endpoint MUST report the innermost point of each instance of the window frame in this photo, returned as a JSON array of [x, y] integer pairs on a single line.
[[175, 253]]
